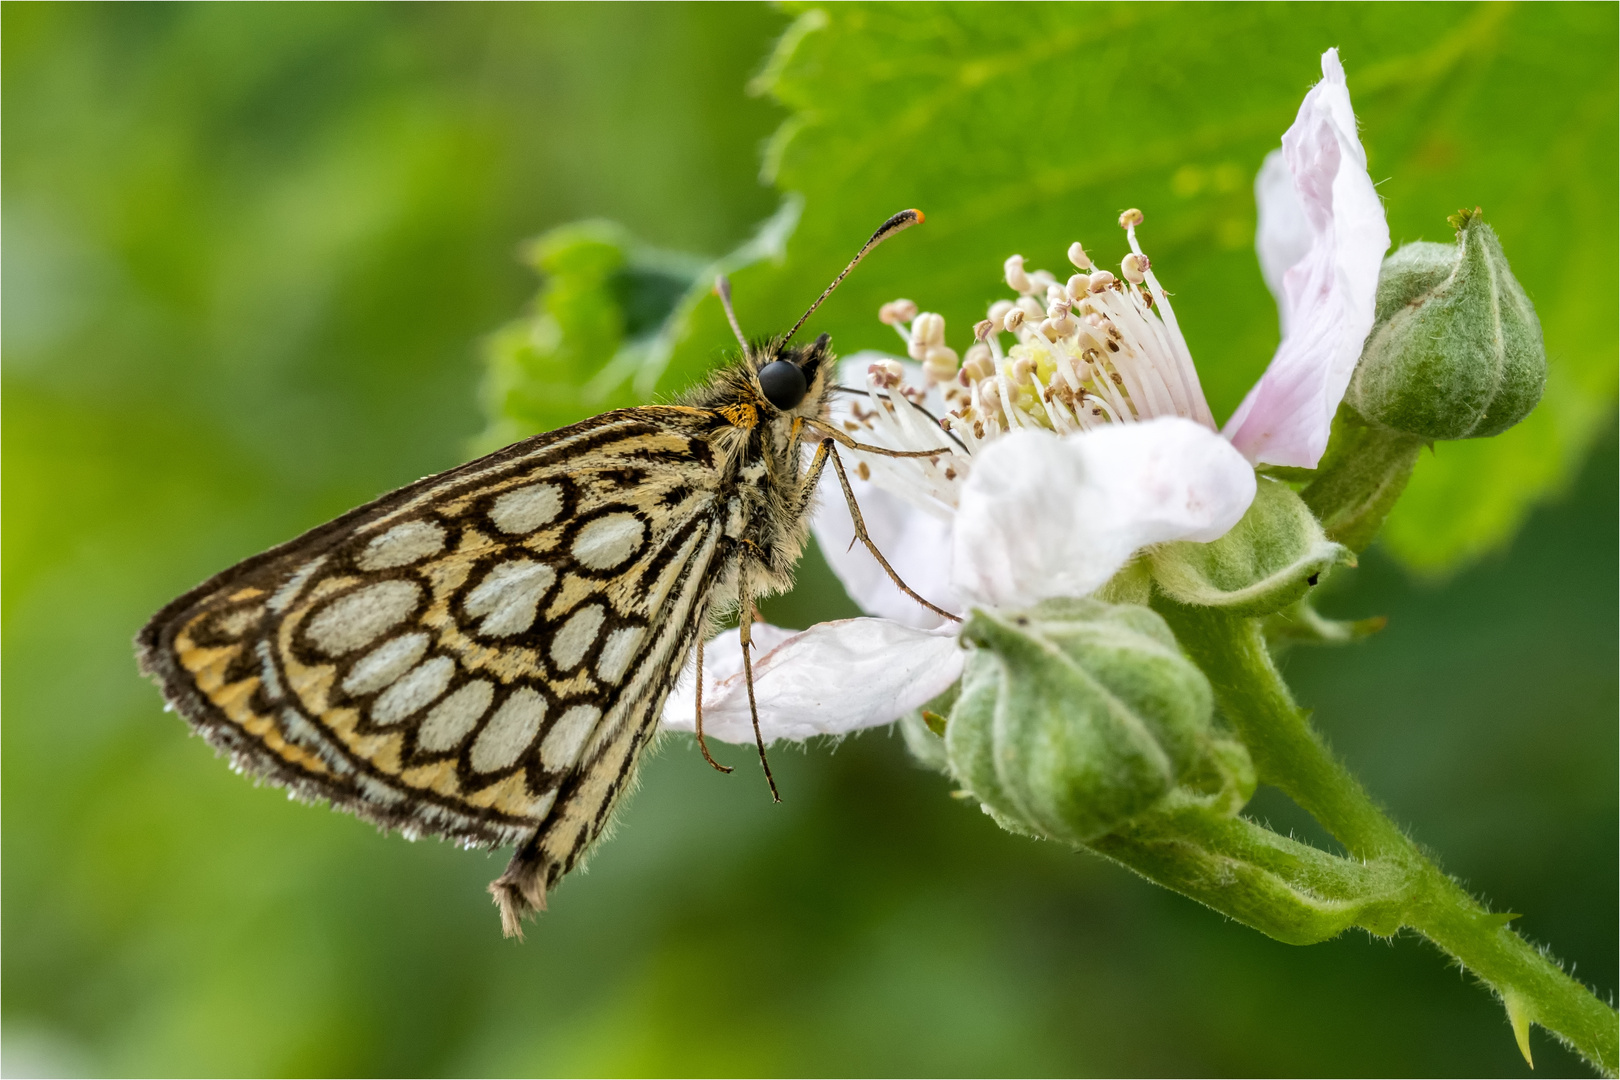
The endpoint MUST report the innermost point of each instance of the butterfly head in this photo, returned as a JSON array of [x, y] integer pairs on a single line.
[[793, 379]]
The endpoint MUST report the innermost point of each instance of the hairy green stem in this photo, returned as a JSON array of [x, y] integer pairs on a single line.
[[1290, 755], [1364, 472]]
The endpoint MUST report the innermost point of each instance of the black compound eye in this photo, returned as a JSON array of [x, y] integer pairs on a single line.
[[783, 383]]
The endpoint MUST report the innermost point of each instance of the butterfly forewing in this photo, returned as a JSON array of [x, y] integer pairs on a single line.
[[477, 655]]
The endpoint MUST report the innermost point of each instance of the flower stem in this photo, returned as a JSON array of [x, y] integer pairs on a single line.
[[1290, 755]]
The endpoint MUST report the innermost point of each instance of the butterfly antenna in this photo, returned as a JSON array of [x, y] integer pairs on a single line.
[[905, 219], [722, 288]]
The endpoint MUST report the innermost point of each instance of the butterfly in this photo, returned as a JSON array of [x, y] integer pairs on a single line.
[[484, 655]]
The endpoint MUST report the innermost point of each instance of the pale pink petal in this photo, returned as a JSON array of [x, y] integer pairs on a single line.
[[831, 679], [1327, 295], [1044, 515], [1282, 235]]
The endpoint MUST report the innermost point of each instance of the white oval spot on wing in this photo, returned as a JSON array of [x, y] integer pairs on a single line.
[[402, 545], [576, 636], [560, 748], [413, 691], [509, 732], [609, 541], [617, 652], [385, 663], [360, 617], [509, 596], [451, 719], [525, 509]]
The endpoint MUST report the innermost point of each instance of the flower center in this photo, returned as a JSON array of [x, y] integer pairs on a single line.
[[1066, 356]]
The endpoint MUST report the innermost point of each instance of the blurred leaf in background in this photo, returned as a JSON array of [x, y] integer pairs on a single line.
[[253, 253]]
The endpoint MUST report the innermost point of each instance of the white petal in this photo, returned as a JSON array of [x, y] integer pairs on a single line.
[[917, 545], [1327, 294], [1047, 516], [833, 678], [915, 535]]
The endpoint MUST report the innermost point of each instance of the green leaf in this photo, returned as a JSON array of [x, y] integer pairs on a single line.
[[605, 324], [1020, 131]]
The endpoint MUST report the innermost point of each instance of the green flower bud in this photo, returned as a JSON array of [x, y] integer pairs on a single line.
[[1455, 351], [1075, 717]]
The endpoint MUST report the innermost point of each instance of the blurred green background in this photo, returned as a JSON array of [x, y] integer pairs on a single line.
[[253, 255]]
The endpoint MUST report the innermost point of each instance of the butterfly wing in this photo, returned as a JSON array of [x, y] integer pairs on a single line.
[[480, 655]]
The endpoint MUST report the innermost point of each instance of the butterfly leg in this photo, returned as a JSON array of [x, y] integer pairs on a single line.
[[698, 701], [827, 450], [745, 633]]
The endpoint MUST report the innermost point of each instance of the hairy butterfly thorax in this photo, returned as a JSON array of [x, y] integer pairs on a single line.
[[483, 655]]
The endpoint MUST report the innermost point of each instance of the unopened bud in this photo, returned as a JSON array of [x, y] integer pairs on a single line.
[[1075, 717], [1017, 280], [1455, 350], [1078, 256]]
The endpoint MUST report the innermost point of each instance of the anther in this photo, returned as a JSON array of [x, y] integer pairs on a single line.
[[1078, 285], [1135, 267], [886, 373], [1017, 280], [979, 364], [1042, 280], [939, 365], [998, 312], [896, 312], [1130, 218], [984, 328], [1014, 318], [927, 331], [1078, 256], [1101, 280], [1031, 307]]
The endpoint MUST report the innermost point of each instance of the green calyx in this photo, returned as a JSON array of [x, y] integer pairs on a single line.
[[1455, 351], [1076, 716], [1268, 561]]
